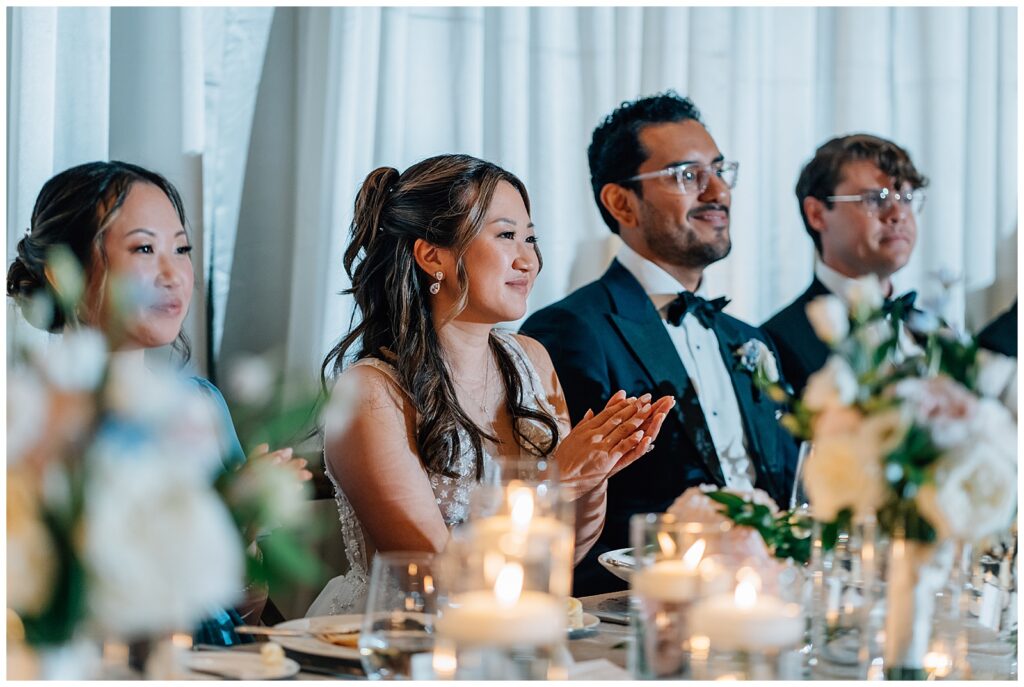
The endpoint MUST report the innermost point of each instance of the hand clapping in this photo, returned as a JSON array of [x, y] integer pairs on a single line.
[[603, 444]]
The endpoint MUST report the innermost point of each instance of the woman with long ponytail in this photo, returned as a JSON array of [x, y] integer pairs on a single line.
[[439, 255]]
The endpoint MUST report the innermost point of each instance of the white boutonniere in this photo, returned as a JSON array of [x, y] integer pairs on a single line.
[[756, 358]]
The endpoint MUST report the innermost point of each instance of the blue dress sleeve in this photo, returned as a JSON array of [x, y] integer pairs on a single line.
[[232, 454]]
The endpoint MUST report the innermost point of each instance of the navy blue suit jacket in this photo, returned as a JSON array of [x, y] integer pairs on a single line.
[[607, 336], [801, 352]]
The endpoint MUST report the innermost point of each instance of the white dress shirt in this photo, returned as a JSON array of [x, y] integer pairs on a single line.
[[840, 285], [702, 358]]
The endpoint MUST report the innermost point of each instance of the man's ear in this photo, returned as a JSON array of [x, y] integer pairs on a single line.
[[815, 209], [429, 257], [622, 204]]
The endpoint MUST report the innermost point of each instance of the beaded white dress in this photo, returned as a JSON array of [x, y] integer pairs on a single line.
[[347, 593]]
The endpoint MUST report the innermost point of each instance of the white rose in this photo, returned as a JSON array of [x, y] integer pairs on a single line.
[[160, 548], [276, 490], [864, 296], [833, 385], [994, 424], [766, 361], [75, 361], [995, 373], [28, 404], [974, 494], [875, 333], [829, 318], [250, 380]]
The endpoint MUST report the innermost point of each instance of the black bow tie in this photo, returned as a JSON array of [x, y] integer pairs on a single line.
[[703, 309], [901, 306]]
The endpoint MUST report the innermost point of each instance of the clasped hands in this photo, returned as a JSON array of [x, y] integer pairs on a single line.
[[603, 444]]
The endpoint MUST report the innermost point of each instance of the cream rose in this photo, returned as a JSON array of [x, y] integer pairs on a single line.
[[974, 492], [846, 470], [829, 317], [831, 386]]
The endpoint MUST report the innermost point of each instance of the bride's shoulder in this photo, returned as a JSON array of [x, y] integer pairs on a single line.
[[374, 383]]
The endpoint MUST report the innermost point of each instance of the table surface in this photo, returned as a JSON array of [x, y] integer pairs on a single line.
[[989, 657]]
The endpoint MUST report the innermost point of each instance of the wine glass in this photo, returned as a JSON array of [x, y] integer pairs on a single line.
[[798, 498], [401, 608]]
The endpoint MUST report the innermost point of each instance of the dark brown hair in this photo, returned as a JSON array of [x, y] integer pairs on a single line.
[[822, 174], [74, 209], [442, 200]]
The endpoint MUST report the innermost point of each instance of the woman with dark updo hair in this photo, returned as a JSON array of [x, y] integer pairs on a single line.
[[439, 255], [126, 227]]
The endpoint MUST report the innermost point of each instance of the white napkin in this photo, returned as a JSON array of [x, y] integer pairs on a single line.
[[597, 669]]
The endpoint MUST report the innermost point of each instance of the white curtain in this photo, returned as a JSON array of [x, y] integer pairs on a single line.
[[525, 87], [268, 129], [171, 89]]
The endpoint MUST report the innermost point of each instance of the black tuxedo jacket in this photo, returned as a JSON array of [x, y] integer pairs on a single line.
[[1000, 335], [607, 336], [801, 352]]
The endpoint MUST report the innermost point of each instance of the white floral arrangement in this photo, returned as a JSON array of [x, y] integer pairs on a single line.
[[122, 521], [113, 523], [926, 441]]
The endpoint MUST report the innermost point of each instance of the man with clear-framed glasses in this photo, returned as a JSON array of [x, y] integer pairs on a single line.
[[662, 184], [860, 197]]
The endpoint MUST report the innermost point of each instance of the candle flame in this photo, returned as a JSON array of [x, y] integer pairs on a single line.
[[509, 584], [521, 506], [748, 574], [667, 544], [746, 594], [691, 559]]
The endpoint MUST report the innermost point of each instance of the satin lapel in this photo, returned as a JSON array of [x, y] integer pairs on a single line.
[[761, 440], [644, 334]]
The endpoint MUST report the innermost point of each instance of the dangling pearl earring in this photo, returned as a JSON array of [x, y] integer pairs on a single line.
[[436, 286]]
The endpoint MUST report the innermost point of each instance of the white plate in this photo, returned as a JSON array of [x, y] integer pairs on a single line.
[[590, 622], [619, 562], [237, 665], [323, 623]]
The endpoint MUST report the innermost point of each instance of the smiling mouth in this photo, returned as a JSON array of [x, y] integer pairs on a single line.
[[712, 214], [521, 284]]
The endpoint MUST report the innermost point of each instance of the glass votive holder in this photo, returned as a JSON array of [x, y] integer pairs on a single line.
[[673, 571], [746, 633], [521, 509], [504, 617]]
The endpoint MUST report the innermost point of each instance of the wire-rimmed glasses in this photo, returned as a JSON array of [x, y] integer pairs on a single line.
[[693, 177], [878, 201]]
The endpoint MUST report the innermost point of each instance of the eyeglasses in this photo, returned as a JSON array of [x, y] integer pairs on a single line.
[[878, 201], [695, 177]]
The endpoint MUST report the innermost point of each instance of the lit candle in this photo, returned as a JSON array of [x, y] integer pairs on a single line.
[[504, 616], [745, 621], [671, 580]]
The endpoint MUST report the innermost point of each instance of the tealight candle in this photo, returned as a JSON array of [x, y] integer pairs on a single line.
[[671, 580], [506, 616], [744, 621]]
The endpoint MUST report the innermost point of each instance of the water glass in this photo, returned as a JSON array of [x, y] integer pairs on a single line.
[[401, 608]]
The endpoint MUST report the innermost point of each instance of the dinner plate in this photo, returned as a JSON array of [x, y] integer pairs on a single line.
[[619, 562], [318, 647], [589, 627], [237, 665]]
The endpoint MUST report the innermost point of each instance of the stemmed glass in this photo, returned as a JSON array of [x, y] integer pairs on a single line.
[[798, 498], [400, 612]]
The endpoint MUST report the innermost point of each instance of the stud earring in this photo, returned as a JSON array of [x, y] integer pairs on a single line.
[[436, 286]]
